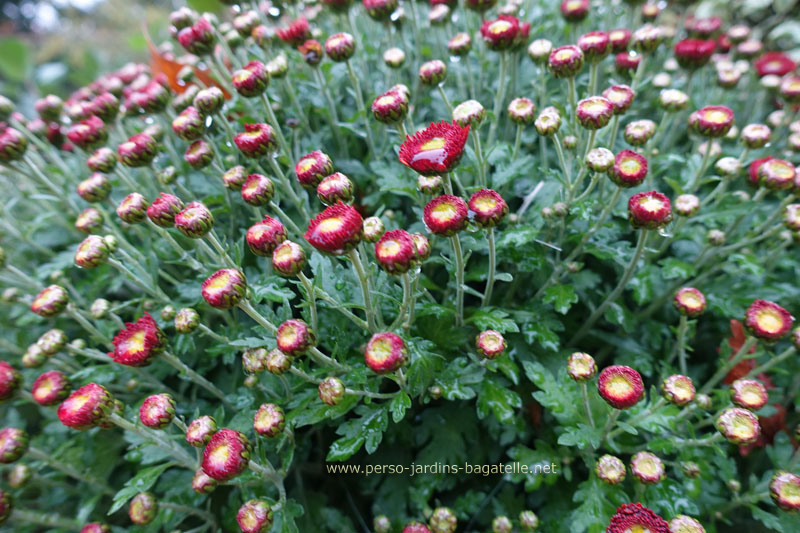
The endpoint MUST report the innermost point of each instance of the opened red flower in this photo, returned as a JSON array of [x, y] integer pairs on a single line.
[[694, 53], [649, 210], [226, 455], [86, 408], [395, 251], [504, 32], [446, 215], [336, 230], [138, 342], [768, 321], [296, 33], [385, 353], [774, 63], [436, 149], [312, 168], [620, 386], [632, 517]]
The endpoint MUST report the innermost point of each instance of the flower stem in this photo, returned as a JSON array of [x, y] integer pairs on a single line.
[[312, 302], [476, 139], [726, 367], [611, 298], [610, 422], [487, 295], [593, 70], [678, 348], [791, 350], [48, 520], [273, 121], [247, 307], [562, 160], [404, 307], [154, 438], [146, 286], [445, 99], [459, 261], [211, 236], [196, 378], [361, 108], [287, 186], [498, 98], [66, 469], [361, 274], [585, 394], [517, 142], [194, 264]]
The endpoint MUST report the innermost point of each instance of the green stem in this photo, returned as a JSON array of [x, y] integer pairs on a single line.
[[487, 295], [194, 264], [405, 304], [727, 366], [361, 108], [287, 187], [285, 218], [610, 422], [149, 287], [593, 70], [65, 468], [211, 236], [614, 130], [445, 99], [211, 333], [517, 142], [155, 438], [641, 417], [678, 348], [586, 405], [626, 276], [245, 306], [562, 160], [48, 520], [196, 378], [296, 103], [476, 139], [498, 98], [361, 274], [312, 302], [273, 121], [339, 307], [791, 350], [459, 263]]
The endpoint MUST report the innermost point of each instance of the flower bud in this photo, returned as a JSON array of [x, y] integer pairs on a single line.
[[255, 516], [194, 221], [755, 136], [390, 108], [395, 252], [620, 386], [521, 111], [638, 132], [490, 344], [678, 390], [251, 80], [673, 100], [394, 57], [18, 476], [446, 215], [433, 72], [277, 362], [138, 151], [610, 469], [190, 124], [209, 100], [594, 112], [649, 210], [52, 341], [245, 23], [687, 205], [630, 169], [226, 455], [539, 50], [340, 46], [712, 121], [157, 411], [199, 154], [13, 444], [784, 488], [269, 420], [288, 259], [335, 188], [50, 388], [163, 210], [767, 321], [690, 469], [312, 168], [738, 426], [102, 160], [12, 145], [336, 230], [87, 407], [200, 431], [50, 301], [565, 61], [95, 188], [89, 220], [138, 342], [776, 174], [225, 288], [92, 252], [143, 508], [295, 337], [278, 67], [89, 133], [254, 360], [257, 140], [548, 122], [6, 108], [459, 44], [385, 353], [331, 391], [197, 39], [749, 394], [595, 45], [33, 357], [502, 524], [647, 468], [133, 208], [581, 366], [528, 521], [443, 520], [202, 483], [186, 320]]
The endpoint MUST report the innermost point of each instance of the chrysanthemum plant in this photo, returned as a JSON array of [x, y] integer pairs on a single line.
[[443, 238]]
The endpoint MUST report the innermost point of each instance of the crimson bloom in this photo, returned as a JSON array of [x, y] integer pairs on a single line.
[[446, 215], [226, 455], [649, 210], [693, 53], [297, 32], [620, 386], [137, 343], [775, 63], [436, 149], [86, 408], [395, 251], [636, 517], [504, 32]]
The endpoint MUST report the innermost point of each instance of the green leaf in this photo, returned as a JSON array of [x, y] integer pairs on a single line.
[[367, 430], [493, 318], [769, 520], [495, 398], [457, 378], [594, 504], [581, 436], [141, 482], [13, 59], [557, 394], [399, 405], [561, 296]]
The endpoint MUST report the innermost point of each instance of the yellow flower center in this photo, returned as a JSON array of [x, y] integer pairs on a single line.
[[284, 253], [499, 26], [330, 225], [251, 187], [750, 395], [594, 106], [306, 164], [380, 350], [77, 402], [690, 299], [742, 428], [563, 55], [619, 386], [389, 248], [386, 100], [219, 456], [716, 116], [630, 166], [791, 493], [443, 212], [651, 204], [638, 528], [492, 342], [437, 143], [574, 4], [780, 169], [219, 283], [134, 343], [43, 390], [486, 203], [682, 390], [289, 334], [769, 320], [648, 467]]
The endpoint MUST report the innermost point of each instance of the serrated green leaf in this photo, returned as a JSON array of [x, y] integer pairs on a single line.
[[561, 297]]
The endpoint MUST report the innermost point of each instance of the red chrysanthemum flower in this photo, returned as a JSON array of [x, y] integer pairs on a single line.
[[565, 61], [312, 168], [620, 386], [263, 237], [288, 259], [200, 431], [635, 517], [621, 96], [774, 63], [595, 112], [336, 230], [157, 411], [257, 190], [50, 388], [13, 444], [649, 210], [224, 288], [269, 420], [436, 149], [137, 343], [86, 408], [776, 174], [226, 455], [257, 140], [768, 321], [10, 380], [755, 165], [385, 353], [395, 251], [488, 208], [630, 169], [694, 53], [690, 302], [574, 10], [335, 188], [647, 468], [627, 62], [504, 32], [619, 39], [163, 210], [297, 32], [446, 215], [88, 133], [749, 394]]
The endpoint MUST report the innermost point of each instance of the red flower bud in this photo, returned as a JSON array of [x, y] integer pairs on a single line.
[[138, 151], [336, 230], [133, 208], [95, 188], [225, 288], [385, 353], [138, 342], [226, 455], [768, 321], [396, 252], [565, 61], [620, 386], [143, 508], [198, 38], [12, 145], [13, 444], [649, 210], [294, 337], [263, 237], [200, 431], [195, 220], [255, 516], [331, 391], [92, 252], [102, 160], [190, 124], [163, 210], [157, 411], [694, 53], [50, 388], [297, 32], [312, 168], [490, 344], [257, 140], [288, 259], [269, 420], [50, 301], [446, 215], [87, 407], [251, 80]]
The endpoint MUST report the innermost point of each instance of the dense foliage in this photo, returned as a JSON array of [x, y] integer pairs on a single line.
[[417, 237]]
